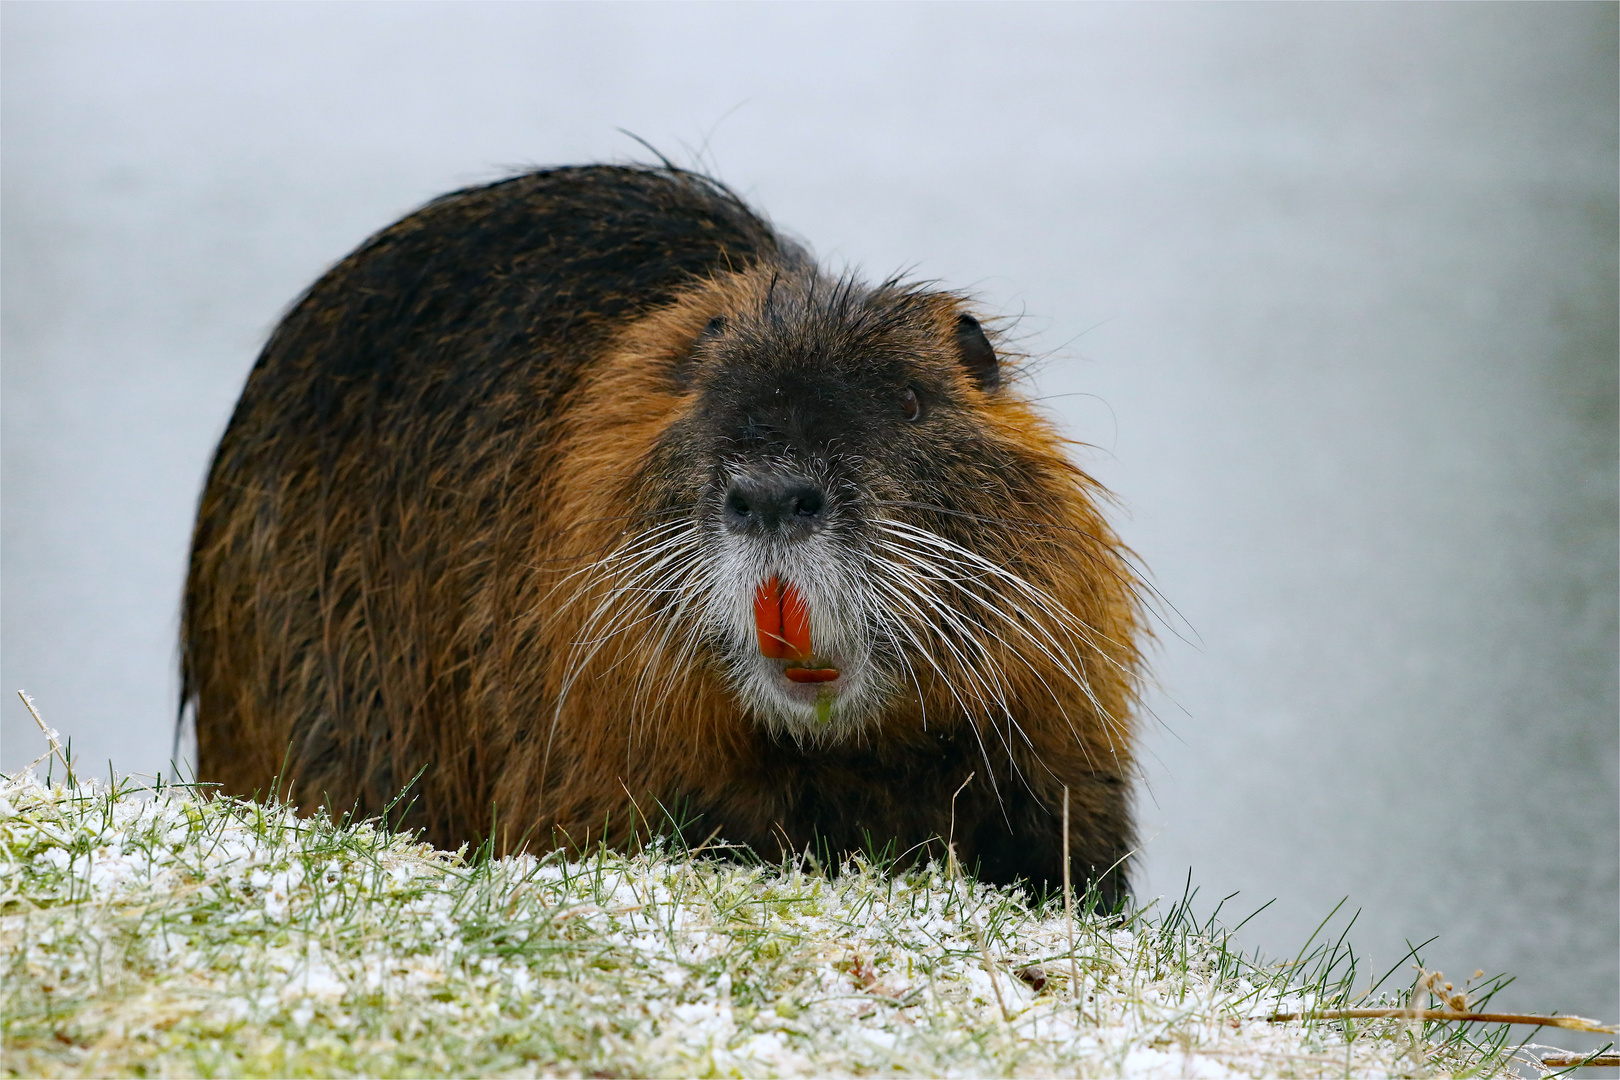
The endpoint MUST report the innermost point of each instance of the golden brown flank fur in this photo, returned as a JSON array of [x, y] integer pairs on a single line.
[[476, 522]]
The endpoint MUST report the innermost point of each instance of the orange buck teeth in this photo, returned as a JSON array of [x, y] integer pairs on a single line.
[[783, 621]]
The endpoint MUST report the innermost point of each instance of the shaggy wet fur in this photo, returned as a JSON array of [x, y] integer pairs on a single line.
[[467, 526]]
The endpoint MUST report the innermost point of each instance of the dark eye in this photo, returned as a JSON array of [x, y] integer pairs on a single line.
[[910, 404]]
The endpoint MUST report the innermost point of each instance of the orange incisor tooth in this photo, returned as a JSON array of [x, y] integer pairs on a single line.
[[796, 624], [782, 620], [768, 618]]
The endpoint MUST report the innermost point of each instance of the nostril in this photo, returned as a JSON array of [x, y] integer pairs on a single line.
[[787, 505]]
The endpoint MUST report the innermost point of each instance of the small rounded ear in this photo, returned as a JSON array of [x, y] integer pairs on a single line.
[[714, 329], [686, 365], [977, 355]]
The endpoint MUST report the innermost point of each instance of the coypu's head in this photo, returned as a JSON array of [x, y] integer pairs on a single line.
[[840, 509]]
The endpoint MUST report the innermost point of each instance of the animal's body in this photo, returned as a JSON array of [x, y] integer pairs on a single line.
[[586, 494]]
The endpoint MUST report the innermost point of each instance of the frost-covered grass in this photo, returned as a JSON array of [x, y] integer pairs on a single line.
[[163, 932]]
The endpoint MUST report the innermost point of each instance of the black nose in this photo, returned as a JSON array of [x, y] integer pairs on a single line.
[[786, 506]]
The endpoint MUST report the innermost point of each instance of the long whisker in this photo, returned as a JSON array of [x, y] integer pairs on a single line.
[[904, 628], [1136, 580], [1040, 598], [636, 563], [960, 569]]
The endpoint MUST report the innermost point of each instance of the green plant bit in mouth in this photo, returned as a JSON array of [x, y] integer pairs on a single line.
[[824, 708]]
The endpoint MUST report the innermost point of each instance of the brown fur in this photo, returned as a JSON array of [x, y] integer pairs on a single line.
[[362, 610]]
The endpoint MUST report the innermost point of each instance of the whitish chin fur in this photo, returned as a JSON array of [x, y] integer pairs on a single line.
[[825, 712]]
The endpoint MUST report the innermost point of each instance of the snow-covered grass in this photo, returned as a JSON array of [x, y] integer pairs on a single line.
[[158, 931]]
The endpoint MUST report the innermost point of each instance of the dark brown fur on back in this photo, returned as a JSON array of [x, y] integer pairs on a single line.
[[465, 523]]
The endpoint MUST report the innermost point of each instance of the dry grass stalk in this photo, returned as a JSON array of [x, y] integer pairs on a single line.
[[1572, 1023], [51, 737], [953, 868], [1068, 913], [1581, 1061], [990, 970], [1456, 1005]]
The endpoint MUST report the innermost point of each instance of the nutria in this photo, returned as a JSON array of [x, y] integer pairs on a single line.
[[585, 498]]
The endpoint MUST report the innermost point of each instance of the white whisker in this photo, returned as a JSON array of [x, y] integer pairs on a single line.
[[1029, 613]]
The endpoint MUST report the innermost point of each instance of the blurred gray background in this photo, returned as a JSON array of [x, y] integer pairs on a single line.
[[1330, 292]]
